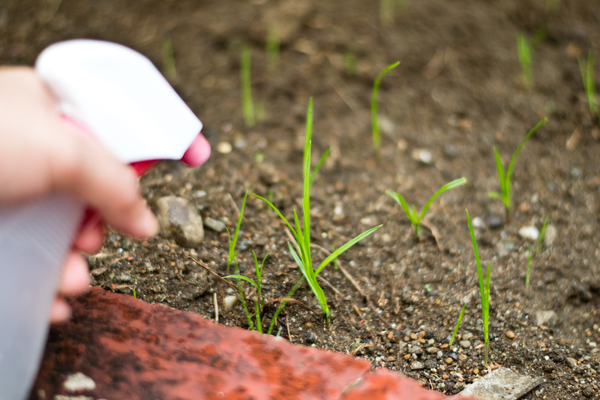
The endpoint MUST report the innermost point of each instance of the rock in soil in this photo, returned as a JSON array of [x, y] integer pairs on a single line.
[[177, 217], [529, 233], [214, 225], [501, 384], [230, 302]]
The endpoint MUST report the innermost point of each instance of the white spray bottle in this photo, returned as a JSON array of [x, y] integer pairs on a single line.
[[124, 101]]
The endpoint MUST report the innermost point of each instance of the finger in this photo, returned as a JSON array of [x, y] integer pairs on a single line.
[[83, 167], [198, 152], [75, 277], [89, 239], [60, 311]]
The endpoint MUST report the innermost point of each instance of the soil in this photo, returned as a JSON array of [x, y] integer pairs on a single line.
[[457, 94]]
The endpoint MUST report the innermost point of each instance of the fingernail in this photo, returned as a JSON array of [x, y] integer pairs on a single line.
[[149, 224]]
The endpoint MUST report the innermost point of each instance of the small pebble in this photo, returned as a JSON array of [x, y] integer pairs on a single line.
[[224, 147], [432, 350], [529, 232], [476, 371], [495, 221], [462, 357], [230, 302], [477, 222], [78, 382], [422, 155], [407, 357], [414, 336], [465, 344], [214, 225], [448, 361], [310, 337], [576, 173], [417, 365], [510, 334], [467, 336]]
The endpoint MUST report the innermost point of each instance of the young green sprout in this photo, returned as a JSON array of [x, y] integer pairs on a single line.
[[528, 268], [587, 74], [374, 115], [168, 59], [301, 249], [460, 317], [246, 83], [542, 236], [484, 291], [272, 48], [504, 177], [259, 302], [231, 260], [525, 50], [414, 217]]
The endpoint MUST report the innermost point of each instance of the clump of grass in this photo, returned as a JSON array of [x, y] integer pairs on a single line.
[[259, 301], [484, 291], [272, 48], [374, 116], [504, 177], [168, 59], [301, 249], [525, 48], [246, 83], [231, 260], [587, 74], [460, 317], [414, 217]]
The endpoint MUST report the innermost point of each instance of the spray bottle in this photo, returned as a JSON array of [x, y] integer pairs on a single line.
[[122, 99]]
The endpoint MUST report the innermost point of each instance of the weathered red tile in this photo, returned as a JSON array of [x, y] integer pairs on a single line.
[[133, 350]]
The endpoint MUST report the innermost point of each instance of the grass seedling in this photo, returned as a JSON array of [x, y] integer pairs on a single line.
[[412, 215], [504, 177], [168, 59], [587, 74], [246, 83], [259, 301], [301, 250], [272, 48], [484, 291], [231, 260], [528, 268], [460, 317], [525, 50], [542, 236], [374, 116]]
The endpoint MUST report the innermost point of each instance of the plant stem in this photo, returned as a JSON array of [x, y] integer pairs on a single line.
[[283, 303]]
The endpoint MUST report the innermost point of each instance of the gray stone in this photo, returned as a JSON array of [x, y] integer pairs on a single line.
[[124, 278], [495, 221], [465, 344], [547, 318], [78, 382], [230, 302], [214, 225], [311, 337], [417, 365], [571, 362], [415, 350], [432, 350], [467, 336], [178, 218], [529, 233], [550, 235], [501, 384]]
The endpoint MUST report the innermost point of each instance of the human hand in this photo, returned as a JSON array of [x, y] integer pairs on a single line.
[[41, 153]]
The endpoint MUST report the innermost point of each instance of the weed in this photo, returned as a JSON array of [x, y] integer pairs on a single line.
[[412, 215], [504, 177], [528, 267], [587, 74], [542, 236], [484, 291], [374, 116], [246, 83], [259, 301], [301, 250], [168, 59], [272, 48], [525, 48], [460, 317]]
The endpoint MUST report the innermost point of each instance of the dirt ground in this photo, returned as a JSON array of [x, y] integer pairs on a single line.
[[457, 94]]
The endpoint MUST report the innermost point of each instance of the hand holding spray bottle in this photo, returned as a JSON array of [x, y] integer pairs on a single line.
[[118, 96]]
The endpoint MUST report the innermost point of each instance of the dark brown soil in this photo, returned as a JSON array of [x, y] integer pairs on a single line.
[[457, 94]]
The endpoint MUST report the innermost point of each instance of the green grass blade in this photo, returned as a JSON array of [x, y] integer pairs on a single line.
[[311, 278], [374, 116], [257, 313], [242, 277], [495, 195], [313, 175], [542, 235], [518, 150], [525, 51], [460, 317], [500, 169], [400, 200], [239, 224], [272, 48], [246, 83], [345, 247], [306, 191], [277, 211], [168, 59], [477, 260], [283, 303], [450, 185]]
